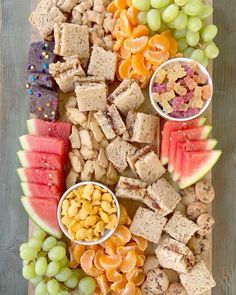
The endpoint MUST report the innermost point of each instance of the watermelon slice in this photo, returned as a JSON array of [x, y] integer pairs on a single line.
[[41, 144], [196, 165], [170, 126], [195, 145], [40, 160], [52, 129], [40, 176], [196, 133], [44, 213], [40, 190]]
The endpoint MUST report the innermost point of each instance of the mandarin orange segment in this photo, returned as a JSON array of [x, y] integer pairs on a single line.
[[118, 43], [123, 211], [112, 7], [130, 275], [96, 260], [129, 289], [132, 14], [103, 284], [97, 291], [116, 15], [119, 285], [124, 54], [86, 260], [78, 252], [124, 24], [120, 4], [72, 263], [94, 272], [173, 47], [156, 57], [111, 245], [159, 42], [123, 250], [124, 68], [167, 33], [138, 279], [141, 242], [129, 3], [140, 260], [123, 233], [113, 275], [135, 76], [135, 45], [129, 262], [138, 291], [110, 262], [138, 64], [140, 31]]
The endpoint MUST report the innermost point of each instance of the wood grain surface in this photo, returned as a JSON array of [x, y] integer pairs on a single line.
[[14, 112]]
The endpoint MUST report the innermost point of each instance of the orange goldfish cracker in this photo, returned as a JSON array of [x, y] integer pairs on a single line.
[[113, 275], [159, 42], [129, 262], [120, 4], [112, 8], [132, 14], [135, 45], [123, 233], [140, 31], [138, 64], [110, 262], [103, 284], [86, 260], [124, 68], [156, 57], [141, 242]]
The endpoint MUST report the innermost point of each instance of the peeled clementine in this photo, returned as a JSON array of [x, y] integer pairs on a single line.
[[141, 242], [156, 57], [159, 42], [78, 252], [103, 284], [128, 262], [132, 14], [135, 45], [124, 68], [123, 233], [110, 262], [119, 285], [140, 31], [120, 4], [113, 275], [138, 64], [86, 260]]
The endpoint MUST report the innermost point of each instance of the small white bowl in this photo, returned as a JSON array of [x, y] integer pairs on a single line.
[[107, 233], [156, 106]]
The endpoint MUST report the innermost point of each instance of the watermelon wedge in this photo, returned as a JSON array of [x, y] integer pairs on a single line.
[[196, 165], [42, 144], [170, 126], [40, 190], [40, 160], [44, 213], [196, 133], [187, 146], [40, 176]]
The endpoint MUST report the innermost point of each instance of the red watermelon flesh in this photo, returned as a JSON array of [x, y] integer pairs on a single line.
[[44, 213], [196, 133], [40, 176], [187, 146], [170, 126], [40, 160], [41, 190], [52, 129], [42, 144], [196, 165]]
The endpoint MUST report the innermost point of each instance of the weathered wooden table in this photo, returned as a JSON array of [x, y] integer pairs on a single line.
[[14, 112]]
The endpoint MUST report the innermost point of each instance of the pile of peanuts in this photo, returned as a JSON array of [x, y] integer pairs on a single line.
[[92, 13], [87, 212]]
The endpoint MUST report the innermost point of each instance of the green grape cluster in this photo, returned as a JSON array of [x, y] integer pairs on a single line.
[[187, 20], [46, 265]]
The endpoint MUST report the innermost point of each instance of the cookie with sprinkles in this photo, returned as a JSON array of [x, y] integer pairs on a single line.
[[43, 103], [40, 56], [39, 79]]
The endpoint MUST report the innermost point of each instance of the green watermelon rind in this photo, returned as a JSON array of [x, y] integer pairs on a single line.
[[21, 174], [31, 126], [25, 188], [24, 143], [38, 220], [207, 166], [22, 158]]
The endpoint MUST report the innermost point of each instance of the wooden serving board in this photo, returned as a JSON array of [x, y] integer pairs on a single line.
[[131, 205]]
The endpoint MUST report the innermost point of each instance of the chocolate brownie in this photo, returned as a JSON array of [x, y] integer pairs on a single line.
[[40, 56], [43, 103], [39, 79]]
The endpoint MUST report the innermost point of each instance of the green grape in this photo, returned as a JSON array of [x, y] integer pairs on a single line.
[[72, 282], [28, 271], [193, 7], [42, 254], [163, 27], [41, 289], [212, 51], [41, 266], [198, 55], [192, 38], [34, 243], [180, 34], [188, 52], [181, 21], [207, 11], [23, 246], [64, 261], [209, 33], [151, 33], [141, 4], [64, 274], [39, 234], [181, 2], [142, 17], [171, 25], [154, 19], [52, 269], [87, 286], [24, 262], [53, 287], [57, 253], [49, 243], [183, 44], [205, 62], [61, 243], [28, 253], [36, 280], [79, 273], [170, 13], [160, 3], [194, 24], [63, 292]]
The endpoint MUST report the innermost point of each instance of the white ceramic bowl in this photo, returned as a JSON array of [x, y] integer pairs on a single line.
[[107, 233], [156, 106]]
